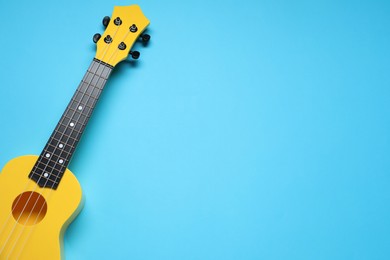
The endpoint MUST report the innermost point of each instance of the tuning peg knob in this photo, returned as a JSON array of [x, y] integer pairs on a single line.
[[145, 38], [106, 21], [96, 37], [135, 54]]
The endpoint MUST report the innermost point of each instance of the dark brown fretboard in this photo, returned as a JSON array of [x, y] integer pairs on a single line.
[[59, 150]]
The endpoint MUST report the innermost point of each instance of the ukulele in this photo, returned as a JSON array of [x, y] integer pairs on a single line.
[[39, 195]]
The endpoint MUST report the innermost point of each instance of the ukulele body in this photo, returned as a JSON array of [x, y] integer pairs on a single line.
[[33, 220], [35, 234]]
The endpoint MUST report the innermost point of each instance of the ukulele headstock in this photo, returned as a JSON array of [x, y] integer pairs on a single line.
[[123, 29]]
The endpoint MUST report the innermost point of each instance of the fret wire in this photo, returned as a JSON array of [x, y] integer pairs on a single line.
[[93, 74], [72, 128], [79, 100], [81, 124], [66, 127], [57, 178], [84, 87], [59, 141], [68, 147], [94, 85], [52, 171], [66, 138], [48, 178], [86, 95], [43, 170], [50, 163], [71, 110], [69, 137], [59, 156], [76, 121], [84, 105], [87, 116], [48, 181], [56, 146], [76, 115]]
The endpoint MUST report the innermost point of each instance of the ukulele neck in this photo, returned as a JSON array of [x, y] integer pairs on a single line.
[[61, 145]]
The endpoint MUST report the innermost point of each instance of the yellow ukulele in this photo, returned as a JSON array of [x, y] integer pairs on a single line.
[[39, 196]]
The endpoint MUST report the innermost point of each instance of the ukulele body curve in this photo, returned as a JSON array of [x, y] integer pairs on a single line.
[[35, 234]]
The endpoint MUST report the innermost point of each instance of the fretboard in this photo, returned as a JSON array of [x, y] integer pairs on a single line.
[[55, 157]]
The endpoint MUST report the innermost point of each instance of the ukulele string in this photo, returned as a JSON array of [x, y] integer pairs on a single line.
[[48, 196], [13, 229], [12, 210], [38, 196], [50, 192]]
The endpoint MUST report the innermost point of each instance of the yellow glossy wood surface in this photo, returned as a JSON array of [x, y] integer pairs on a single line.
[[43, 240], [129, 15]]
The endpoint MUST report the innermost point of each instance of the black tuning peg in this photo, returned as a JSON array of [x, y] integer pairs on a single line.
[[96, 37], [145, 38], [106, 21], [135, 54]]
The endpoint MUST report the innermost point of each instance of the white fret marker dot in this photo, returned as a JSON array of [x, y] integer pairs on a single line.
[[45, 174], [71, 124], [60, 145], [61, 161], [80, 107], [48, 155]]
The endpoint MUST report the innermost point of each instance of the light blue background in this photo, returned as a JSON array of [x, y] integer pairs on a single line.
[[247, 129]]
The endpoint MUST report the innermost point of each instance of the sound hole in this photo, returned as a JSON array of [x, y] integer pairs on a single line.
[[29, 208]]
